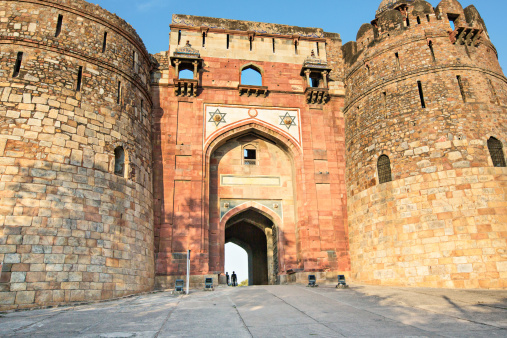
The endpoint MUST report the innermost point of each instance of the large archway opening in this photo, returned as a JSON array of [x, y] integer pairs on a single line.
[[252, 203], [254, 233]]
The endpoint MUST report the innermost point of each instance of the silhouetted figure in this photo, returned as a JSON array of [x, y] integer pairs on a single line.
[[227, 277], [234, 279]]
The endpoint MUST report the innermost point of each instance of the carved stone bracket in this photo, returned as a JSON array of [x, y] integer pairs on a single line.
[[317, 95], [466, 36], [185, 87], [253, 90]]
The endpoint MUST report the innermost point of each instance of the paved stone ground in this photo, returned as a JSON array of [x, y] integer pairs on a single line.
[[276, 311]]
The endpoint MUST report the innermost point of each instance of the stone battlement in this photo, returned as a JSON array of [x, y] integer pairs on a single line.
[[92, 11], [425, 99], [246, 26], [234, 39]]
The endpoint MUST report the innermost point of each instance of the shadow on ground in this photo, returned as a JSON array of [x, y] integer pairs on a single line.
[[276, 311]]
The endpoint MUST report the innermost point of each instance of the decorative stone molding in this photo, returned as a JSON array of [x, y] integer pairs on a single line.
[[317, 95]]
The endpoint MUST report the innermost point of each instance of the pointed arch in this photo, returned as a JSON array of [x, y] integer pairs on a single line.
[[212, 216], [251, 75], [251, 205], [260, 234], [253, 66], [186, 74], [286, 142], [249, 252]]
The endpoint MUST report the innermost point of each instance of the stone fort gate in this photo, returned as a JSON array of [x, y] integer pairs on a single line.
[[252, 175], [382, 159], [249, 163]]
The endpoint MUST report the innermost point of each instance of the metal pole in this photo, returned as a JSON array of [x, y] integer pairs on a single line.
[[188, 269]]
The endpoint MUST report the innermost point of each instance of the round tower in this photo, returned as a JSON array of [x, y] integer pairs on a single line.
[[76, 219], [426, 133]]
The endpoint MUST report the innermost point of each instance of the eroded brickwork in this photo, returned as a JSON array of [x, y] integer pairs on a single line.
[[72, 230], [441, 221]]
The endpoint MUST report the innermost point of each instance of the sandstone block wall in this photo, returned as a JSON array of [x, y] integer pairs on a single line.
[[441, 221], [70, 229], [314, 237]]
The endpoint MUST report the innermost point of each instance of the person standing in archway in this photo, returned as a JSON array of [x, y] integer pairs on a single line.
[[234, 279], [227, 278]]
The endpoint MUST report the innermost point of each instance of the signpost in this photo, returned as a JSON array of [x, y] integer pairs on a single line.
[[188, 269]]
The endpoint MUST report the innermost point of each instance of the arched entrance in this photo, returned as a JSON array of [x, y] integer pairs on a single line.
[[252, 202], [253, 231]]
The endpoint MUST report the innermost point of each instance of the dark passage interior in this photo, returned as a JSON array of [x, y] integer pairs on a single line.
[[253, 232]]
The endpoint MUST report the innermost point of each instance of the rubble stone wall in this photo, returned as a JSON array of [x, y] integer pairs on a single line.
[[70, 229]]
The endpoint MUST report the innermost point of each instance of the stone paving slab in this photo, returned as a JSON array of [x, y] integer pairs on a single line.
[[276, 311]]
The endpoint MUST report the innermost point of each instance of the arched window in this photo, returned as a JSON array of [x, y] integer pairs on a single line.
[[496, 152], [186, 74], [251, 76], [119, 161], [384, 169]]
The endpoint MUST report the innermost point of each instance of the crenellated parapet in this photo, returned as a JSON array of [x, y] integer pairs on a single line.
[[81, 30], [412, 36]]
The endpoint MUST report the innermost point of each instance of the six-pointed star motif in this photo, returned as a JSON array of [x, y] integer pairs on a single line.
[[217, 117], [287, 120]]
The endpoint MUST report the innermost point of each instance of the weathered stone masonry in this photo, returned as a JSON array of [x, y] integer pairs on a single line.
[[441, 222], [71, 230], [112, 165]]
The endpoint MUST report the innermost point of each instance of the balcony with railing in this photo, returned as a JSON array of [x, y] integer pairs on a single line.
[[316, 73]]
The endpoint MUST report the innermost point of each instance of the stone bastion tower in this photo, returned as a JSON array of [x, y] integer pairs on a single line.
[[426, 126], [76, 216]]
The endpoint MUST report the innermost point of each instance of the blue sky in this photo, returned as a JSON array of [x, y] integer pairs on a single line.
[[236, 259], [151, 18]]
